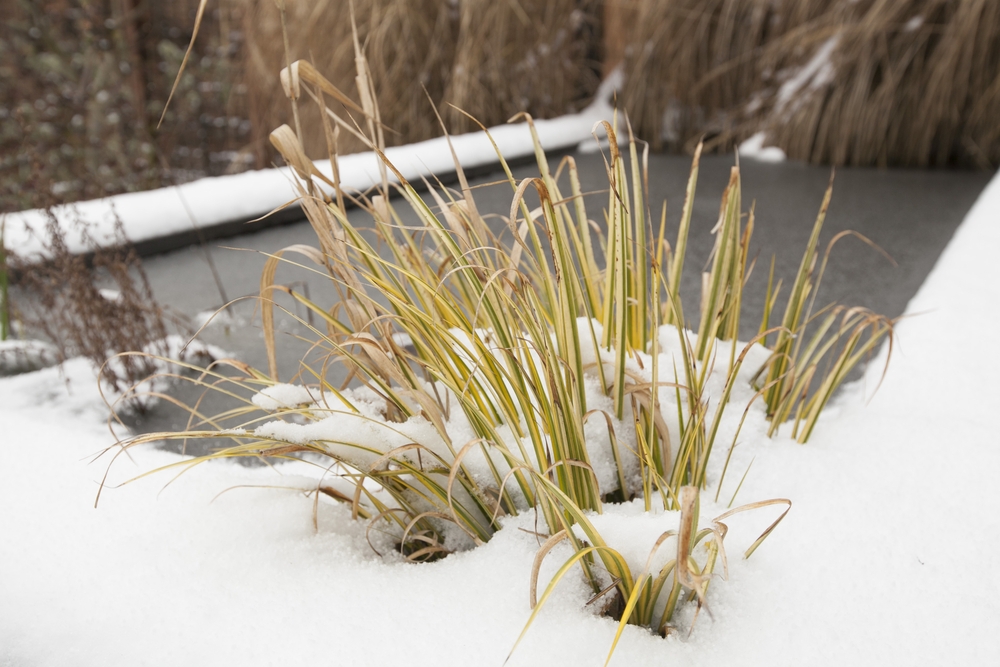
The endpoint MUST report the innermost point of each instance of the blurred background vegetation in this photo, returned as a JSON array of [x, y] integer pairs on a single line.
[[860, 82], [84, 83]]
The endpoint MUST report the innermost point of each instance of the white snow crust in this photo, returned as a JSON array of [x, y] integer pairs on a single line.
[[282, 396]]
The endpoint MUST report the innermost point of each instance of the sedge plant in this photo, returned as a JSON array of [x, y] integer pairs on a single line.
[[815, 351], [455, 330], [497, 371]]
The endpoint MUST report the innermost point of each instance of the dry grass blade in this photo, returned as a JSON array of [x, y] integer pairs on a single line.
[[284, 139], [187, 55], [302, 70], [577, 557], [689, 505], [267, 287], [543, 551], [753, 506]]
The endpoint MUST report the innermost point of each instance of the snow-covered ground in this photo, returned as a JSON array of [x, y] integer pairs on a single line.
[[889, 555]]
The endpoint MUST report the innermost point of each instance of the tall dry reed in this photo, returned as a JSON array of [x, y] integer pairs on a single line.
[[692, 66], [872, 82], [916, 83], [540, 57], [408, 42], [492, 59]]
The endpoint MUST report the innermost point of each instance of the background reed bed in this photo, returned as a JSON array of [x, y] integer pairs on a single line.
[[872, 82], [491, 59], [902, 83]]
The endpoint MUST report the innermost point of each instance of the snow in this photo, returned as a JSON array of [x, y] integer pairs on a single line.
[[351, 425], [282, 396], [888, 556], [17, 356], [913, 24], [250, 195], [754, 149], [815, 74], [111, 295]]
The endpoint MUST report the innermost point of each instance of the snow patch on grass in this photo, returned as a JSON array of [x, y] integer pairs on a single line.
[[812, 76]]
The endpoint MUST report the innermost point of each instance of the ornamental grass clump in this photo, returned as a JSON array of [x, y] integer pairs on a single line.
[[541, 365], [501, 371]]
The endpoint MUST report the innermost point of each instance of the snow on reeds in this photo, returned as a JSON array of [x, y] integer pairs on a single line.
[[907, 83]]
